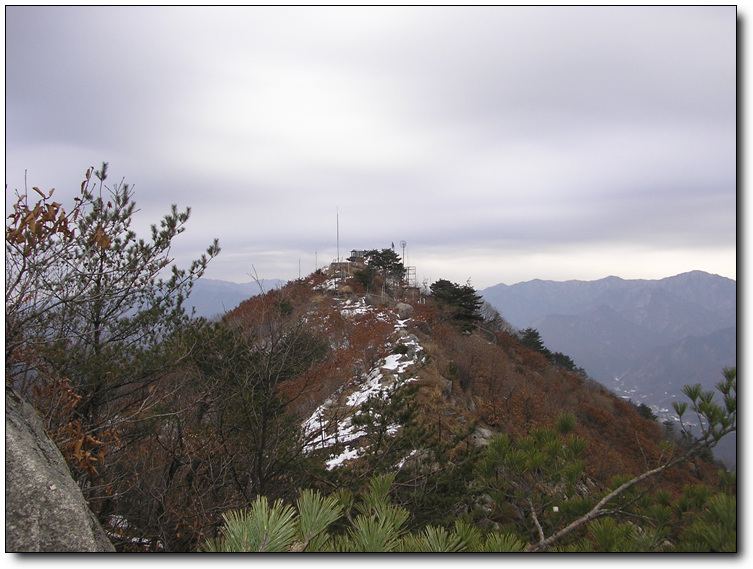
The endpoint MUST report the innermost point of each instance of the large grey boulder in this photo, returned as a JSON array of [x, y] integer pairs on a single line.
[[44, 508], [481, 437], [404, 310]]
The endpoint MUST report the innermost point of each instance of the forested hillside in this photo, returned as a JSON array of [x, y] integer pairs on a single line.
[[642, 339], [343, 411]]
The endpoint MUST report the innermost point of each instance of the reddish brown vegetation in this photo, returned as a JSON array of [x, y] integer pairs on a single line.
[[515, 389], [178, 470]]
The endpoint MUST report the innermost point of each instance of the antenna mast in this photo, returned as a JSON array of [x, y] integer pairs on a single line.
[[338, 234]]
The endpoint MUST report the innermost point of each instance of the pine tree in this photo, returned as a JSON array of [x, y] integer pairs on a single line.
[[244, 372], [384, 267], [460, 303], [92, 308], [536, 476], [372, 524]]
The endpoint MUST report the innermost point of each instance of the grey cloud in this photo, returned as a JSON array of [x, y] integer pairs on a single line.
[[499, 127]]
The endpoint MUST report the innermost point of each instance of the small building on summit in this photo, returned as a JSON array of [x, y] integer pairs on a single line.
[[347, 268], [357, 256]]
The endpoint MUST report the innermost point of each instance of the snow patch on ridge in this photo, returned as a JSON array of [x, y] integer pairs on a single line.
[[388, 374]]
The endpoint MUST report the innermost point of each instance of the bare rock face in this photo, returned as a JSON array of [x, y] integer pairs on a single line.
[[44, 508], [404, 310], [481, 437]]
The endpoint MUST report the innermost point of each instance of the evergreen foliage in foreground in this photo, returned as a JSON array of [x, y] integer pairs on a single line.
[[334, 524], [539, 477], [375, 524]]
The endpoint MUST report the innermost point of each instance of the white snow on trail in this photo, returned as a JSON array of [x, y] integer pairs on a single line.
[[380, 381]]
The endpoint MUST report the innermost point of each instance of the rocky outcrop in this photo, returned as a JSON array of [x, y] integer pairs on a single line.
[[44, 508], [404, 310], [481, 437]]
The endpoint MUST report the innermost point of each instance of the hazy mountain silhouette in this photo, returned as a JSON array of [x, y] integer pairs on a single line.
[[643, 339], [213, 298], [711, 295]]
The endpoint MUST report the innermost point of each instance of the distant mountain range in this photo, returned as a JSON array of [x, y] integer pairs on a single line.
[[212, 298], [643, 339]]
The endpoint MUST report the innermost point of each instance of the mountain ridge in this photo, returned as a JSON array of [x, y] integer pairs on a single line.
[[536, 298], [347, 382], [617, 329], [211, 298]]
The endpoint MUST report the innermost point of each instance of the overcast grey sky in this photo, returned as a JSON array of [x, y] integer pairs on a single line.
[[502, 144]]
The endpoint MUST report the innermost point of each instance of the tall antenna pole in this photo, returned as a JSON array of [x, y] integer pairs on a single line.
[[338, 234]]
